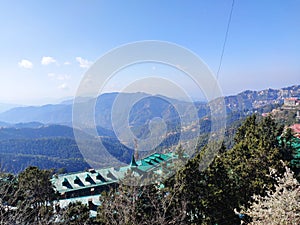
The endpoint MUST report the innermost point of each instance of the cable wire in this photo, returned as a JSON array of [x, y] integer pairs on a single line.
[[225, 40]]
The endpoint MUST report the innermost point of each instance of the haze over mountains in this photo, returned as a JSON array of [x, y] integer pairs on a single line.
[[43, 135], [150, 106], [4, 106]]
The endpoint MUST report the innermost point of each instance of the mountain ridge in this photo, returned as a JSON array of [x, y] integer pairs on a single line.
[[52, 145], [62, 113]]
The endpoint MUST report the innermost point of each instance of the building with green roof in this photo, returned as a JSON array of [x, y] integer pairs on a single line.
[[94, 182], [87, 186]]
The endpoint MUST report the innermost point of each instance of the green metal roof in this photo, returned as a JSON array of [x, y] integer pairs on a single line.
[[82, 180], [94, 178]]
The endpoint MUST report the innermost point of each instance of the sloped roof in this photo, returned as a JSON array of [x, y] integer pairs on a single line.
[[82, 180], [95, 178]]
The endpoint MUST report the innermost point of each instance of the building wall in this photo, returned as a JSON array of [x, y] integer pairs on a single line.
[[290, 101]]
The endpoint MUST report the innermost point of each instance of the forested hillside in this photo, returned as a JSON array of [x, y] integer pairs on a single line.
[[50, 146], [194, 195]]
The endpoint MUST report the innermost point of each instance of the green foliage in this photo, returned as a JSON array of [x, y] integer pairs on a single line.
[[53, 152], [46, 153], [28, 198], [204, 191], [35, 185], [256, 150], [76, 213], [210, 187], [210, 200], [37, 194], [234, 175], [8, 189]]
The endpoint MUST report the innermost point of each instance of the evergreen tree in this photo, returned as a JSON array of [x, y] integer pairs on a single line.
[[37, 195], [207, 191], [76, 213], [214, 189]]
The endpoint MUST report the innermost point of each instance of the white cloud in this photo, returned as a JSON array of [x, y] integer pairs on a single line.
[[67, 63], [46, 60], [83, 63], [24, 63], [63, 86], [51, 74]]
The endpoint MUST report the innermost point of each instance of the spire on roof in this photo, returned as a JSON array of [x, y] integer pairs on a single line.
[[133, 162]]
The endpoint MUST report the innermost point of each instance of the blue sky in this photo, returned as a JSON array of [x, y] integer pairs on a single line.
[[47, 46]]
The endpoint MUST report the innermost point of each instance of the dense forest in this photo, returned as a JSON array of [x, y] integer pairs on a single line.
[[48, 145], [243, 182]]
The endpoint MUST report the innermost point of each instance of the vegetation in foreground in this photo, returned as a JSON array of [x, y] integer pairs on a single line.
[[237, 178]]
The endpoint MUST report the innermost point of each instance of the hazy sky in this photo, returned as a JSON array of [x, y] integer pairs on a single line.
[[47, 46]]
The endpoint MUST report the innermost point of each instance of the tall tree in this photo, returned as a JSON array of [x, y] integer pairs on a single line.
[[207, 191], [256, 149], [38, 194], [75, 213], [234, 175]]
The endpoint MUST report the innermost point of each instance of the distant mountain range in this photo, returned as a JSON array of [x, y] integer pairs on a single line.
[[252, 100], [4, 106], [149, 107], [47, 114], [43, 135]]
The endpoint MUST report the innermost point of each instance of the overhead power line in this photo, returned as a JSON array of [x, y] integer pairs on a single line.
[[225, 39]]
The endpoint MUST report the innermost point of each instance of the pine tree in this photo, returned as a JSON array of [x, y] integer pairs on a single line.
[[37, 195]]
